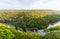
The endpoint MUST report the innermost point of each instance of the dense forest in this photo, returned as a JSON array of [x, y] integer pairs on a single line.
[[7, 32], [29, 19]]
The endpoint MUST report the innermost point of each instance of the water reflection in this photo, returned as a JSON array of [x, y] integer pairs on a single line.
[[41, 32], [54, 24]]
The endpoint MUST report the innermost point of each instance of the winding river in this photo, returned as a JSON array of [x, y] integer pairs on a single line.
[[41, 32]]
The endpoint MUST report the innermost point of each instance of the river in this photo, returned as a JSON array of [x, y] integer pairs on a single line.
[[41, 32]]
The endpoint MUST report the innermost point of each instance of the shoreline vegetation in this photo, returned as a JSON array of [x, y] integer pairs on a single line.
[[31, 20], [7, 32]]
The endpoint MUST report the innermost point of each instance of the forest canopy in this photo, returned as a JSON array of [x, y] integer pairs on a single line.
[[29, 18]]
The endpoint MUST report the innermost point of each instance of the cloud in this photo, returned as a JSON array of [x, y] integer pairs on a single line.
[[30, 4], [10, 4], [53, 4]]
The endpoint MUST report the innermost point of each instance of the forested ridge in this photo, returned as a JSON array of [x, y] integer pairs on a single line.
[[29, 18]]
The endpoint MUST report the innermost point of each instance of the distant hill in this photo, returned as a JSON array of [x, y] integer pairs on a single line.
[[4, 14], [29, 18]]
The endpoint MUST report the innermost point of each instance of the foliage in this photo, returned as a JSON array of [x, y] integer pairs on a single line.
[[29, 18], [10, 33], [53, 29], [52, 35]]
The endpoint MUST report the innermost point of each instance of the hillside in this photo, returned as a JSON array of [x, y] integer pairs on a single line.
[[34, 13], [29, 18]]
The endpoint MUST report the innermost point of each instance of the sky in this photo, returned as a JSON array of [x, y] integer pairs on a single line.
[[30, 4]]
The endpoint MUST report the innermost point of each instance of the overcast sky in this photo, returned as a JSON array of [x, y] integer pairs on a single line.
[[30, 4]]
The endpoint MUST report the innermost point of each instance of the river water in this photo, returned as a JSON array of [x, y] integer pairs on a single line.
[[41, 32]]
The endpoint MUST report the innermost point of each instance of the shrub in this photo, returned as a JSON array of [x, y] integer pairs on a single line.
[[52, 35], [11, 33]]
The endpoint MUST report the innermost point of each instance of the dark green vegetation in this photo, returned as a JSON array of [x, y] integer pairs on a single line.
[[7, 32], [55, 29], [35, 19], [53, 33]]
